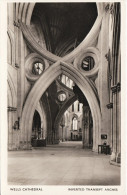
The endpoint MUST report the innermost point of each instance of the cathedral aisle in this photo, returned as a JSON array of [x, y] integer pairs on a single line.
[[63, 164]]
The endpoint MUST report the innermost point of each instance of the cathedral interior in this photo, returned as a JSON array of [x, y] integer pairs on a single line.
[[64, 87]]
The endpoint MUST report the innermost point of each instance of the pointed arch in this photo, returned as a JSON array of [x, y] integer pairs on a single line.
[[47, 78], [62, 110]]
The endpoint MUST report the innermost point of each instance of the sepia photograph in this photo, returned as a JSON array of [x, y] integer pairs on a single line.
[[64, 96]]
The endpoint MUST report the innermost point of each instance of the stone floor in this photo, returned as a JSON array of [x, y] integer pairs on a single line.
[[63, 164]]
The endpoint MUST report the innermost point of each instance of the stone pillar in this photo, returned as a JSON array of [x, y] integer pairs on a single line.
[[116, 79], [57, 136], [103, 77], [110, 106], [11, 111], [25, 139], [49, 138], [118, 155], [116, 147], [90, 130], [85, 126]]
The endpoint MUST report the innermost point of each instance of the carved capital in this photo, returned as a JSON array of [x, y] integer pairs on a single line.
[[17, 124], [11, 109], [107, 7], [17, 24], [107, 57], [116, 88], [16, 65], [110, 105], [111, 9], [110, 76]]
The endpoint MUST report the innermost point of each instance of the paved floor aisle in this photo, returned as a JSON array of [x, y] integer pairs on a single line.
[[66, 164]]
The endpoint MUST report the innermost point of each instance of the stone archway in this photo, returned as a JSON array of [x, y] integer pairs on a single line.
[[60, 114], [24, 13], [62, 110], [37, 91]]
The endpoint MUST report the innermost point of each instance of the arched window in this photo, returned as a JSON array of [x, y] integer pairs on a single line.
[[74, 123]]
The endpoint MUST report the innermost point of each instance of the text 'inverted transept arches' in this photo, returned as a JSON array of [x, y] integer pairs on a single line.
[[43, 83]]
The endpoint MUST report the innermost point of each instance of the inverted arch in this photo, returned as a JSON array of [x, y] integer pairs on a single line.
[[47, 78], [89, 40], [27, 11]]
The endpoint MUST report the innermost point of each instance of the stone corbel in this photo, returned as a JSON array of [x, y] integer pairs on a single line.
[[110, 105], [11, 109]]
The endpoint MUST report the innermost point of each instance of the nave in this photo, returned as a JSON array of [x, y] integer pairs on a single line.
[[63, 164]]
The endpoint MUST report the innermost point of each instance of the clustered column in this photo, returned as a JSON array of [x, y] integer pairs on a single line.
[[116, 132]]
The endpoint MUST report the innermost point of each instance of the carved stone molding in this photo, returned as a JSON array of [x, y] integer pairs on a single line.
[[110, 105], [11, 109]]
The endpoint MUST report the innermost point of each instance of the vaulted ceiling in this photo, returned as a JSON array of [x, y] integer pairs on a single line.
[[64, 25]]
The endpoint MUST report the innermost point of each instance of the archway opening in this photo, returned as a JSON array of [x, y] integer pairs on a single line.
[[70, 114], [36, 135], [49, 77], [76, 125]]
